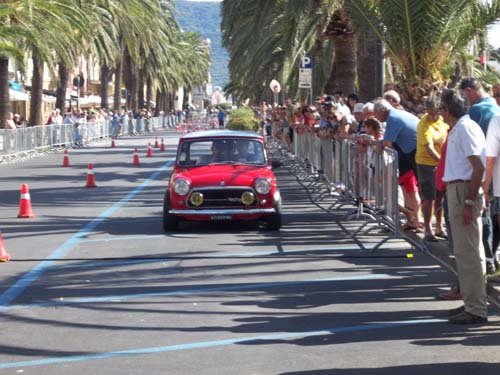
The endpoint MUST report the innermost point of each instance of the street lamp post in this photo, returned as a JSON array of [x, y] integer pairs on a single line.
[[275, 88]]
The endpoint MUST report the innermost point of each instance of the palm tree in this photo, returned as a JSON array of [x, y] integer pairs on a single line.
[[423, 38], [45, 30], [10, 34], [266, 40], [98, 36]]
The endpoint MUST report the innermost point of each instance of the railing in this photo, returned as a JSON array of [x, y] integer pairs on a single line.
[[20, 141], [356, 172]]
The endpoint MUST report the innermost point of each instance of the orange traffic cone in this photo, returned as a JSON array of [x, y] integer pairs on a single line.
[[4, 255], [113, 143], [135, 160], [66, 158], [157, 145], [90, 177], [25, 210], [162, 145], [149, 153]]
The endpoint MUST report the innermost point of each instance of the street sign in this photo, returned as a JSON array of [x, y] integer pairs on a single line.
[[306, 62], [305, 78]]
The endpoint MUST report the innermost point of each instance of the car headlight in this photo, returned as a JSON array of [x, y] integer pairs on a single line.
[[262, 186], [181, 186], [197, 199], [247, 198]]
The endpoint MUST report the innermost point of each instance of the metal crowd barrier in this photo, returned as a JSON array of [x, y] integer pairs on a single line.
[[357, 173], [43, 137], [20, 141]]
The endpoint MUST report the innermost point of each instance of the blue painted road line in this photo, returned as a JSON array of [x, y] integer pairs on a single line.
[[196, 291], [217, 343], [24, 282]]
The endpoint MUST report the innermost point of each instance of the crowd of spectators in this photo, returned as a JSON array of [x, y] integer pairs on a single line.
[[459, 183]]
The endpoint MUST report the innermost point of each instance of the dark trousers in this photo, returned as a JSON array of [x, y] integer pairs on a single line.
[[491, 235]]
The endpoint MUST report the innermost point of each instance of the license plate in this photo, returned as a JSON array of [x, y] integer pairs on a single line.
[[220, 217]]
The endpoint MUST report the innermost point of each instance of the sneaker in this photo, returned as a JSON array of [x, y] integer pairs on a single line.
[[494, 279], [490, 268], [456, 310], [452, 295], [465, 317]]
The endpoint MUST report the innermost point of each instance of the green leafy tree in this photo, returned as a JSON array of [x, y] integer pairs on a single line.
[[423, 38], [243, 119]]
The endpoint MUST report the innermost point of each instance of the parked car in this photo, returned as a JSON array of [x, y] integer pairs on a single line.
[[222, 175]]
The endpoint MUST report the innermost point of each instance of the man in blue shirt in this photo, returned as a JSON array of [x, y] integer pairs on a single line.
[[401, 134], [221, 116], [483, 109], [400, 130]]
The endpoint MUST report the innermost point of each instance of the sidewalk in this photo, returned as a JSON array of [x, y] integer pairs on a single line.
[[440, 251]]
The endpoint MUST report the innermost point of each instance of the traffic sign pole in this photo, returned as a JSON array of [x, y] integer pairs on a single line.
[[305, 74]]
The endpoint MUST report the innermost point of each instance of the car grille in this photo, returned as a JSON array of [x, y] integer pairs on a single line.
[[222, 198]]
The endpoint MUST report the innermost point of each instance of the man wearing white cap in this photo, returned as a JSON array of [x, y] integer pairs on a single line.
[[359, 117], [57, 119]]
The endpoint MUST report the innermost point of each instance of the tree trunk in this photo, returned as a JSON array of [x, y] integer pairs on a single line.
[[117, 96], [159, 102], [36, 90], [131, 80], [140, 89], [370, 76], [134, 85], [149, 93], [4, 91], [343, 75], [104, 86], [62, 87], [171, 101]]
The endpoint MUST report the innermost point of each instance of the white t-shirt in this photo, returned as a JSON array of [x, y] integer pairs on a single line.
[[465, 139], [493, 150]]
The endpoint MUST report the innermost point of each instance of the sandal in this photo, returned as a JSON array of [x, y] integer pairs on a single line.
[[430, 238], [415, 229], [442, 235]]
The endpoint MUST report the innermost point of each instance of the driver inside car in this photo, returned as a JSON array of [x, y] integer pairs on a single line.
[[218, 152]]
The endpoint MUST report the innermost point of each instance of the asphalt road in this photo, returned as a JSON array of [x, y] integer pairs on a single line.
[[96, 287]]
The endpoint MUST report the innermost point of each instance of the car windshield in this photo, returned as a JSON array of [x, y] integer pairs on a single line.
[[221, 151]]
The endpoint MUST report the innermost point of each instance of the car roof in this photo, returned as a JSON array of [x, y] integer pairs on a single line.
[[209, 134]]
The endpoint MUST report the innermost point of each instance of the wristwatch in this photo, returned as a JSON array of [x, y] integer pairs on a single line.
[[469, 202]]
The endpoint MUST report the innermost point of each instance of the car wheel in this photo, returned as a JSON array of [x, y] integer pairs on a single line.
[[170, 222], [274, 221]]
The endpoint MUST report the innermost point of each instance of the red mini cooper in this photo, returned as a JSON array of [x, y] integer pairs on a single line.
[[222, 175]]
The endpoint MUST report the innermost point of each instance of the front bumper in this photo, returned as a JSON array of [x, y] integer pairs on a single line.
[[252, 211]]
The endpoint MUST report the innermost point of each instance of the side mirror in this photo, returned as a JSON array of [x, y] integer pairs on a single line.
[[276, 164]]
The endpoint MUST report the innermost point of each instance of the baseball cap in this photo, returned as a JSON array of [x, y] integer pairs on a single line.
[[358, 108]]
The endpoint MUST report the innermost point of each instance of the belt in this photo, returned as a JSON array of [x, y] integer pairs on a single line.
[[457, 181]]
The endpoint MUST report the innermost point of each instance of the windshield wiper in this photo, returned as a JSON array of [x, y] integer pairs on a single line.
[[222, 162]]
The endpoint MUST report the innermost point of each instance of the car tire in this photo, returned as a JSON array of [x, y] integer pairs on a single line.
[[170, 222], [273, 222]]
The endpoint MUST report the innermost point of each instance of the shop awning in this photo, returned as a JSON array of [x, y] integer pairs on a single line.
[[18, 96]]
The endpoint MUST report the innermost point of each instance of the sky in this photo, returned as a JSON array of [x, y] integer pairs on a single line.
[[494, 35]]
